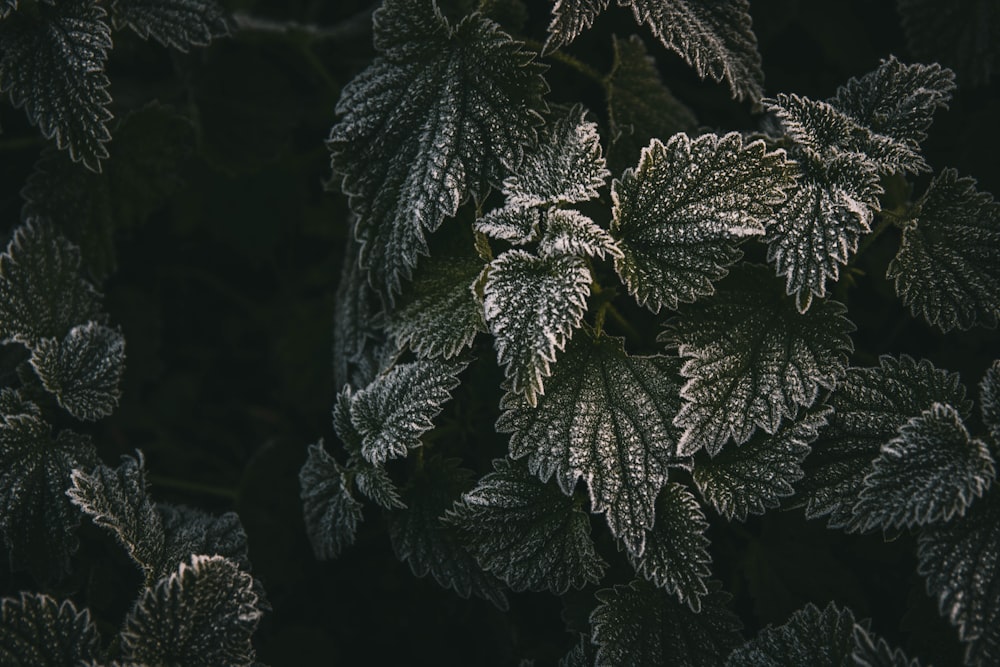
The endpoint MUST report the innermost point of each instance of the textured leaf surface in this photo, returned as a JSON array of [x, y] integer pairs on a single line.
[[189, 531], [371, 479], [53, 66], [606, 418], [752, 360], [514, 224], [963, 35], [570, 18], [989, 403], [202, 615], [526, 532], [948, 265], [640, 624], [870, 651], [809, 637], [331, 513], [443, 111], [354, 315], [680, 214], [177, 23], [38, 631], [581, 655], [752, 478], [572, 233], [961, 562], [533, 305]]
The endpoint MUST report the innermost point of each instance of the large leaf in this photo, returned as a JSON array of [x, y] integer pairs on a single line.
[[963, 35], [331, 513], [606, 418], [947, 268], [38, 631], [177, 23], [752, 360], [679, 215], [809, 637], [442, 112]]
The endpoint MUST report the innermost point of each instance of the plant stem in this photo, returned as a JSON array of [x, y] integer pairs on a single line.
[[571, 62], [194, 487]]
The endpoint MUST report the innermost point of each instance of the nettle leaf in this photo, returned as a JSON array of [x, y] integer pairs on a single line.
[[526, 532], [676, 557], [421, 538], [177, 23], [752, 360], [680, 213], [809, 637], [606, 417], [581, 655], [639, 624], [202, 615], [572, 233], [189, 531], [37, 630], [871, 653], [331, 513], [354, 316], [752, 478], [869, 407], [515, 224], [371, 479], [989, 403], [962, 35], [443, 112], [42, 294], [947, 269], [83, 370], [53, 66], [960, 560], [533, 305], [569, 19], [13, 402]]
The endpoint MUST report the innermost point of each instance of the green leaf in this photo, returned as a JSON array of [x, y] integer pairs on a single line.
[[572, 233], [443, 112], [809, 637], [53, 66], [753, 478], [189, 531], [533, 305], [606, 417], [514, 224], [752, 360], [989, 403], [871, 653], [960, 560], [331, 513], [371, 479], [355, 312], [177, 23], [569, 19], [962, 35], [38, 631], [640, 624], [946, 269], [526, 532], [201, 615], [680, 213], [676, 557]]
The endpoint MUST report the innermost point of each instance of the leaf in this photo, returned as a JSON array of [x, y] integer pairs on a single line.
[[177, 23], [202, 615], [752, 478], [331, 513], [679, 214], [960, 560], [38, 631], [53, 66], [532, 307], [989, 403], [752, 360], [443, 112], [606, 417], [526, 532], [83, 370], [354, 316], [569, 19], [514, 224], [869, 406], [962, 35], [6, 7], [638, 624], [809, 637], [676, 557], [946, 269], [572, 233], [430, 545], [869, 653], [189, 531], [581, 655], [12, 402], [41, 292], [371, 479]]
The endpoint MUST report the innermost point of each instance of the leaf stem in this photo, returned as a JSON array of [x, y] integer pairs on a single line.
[[571, 62]]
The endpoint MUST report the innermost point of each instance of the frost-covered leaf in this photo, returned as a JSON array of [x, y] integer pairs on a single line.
[[526, 532], [201, 615], [421, 538], [989, 403], [515, 224], [752, 360], [869, 406], [53, 66], [190, 531], [38, 631], [13, 402], [42, 294], [533, 305], [871, 651], [371, 479], [442, 112], [809, 637], [947, 268], [676, 557], [570, 18], [963, 35], [177, 23], [565, 167], [331, 513], [961, 561], [605, 417], [570, 232], [83, 370], [639, 624], [752, 478], [680, 214]]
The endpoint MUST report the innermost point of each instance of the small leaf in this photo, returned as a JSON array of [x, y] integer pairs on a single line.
[[869, 653], [371, 479], [947, 268], [38, 631], [177, 23], [332, 514], [809, 637], [989, 403], [569, 19], [517, 225], [572, 233], [190, 531], [526, 532]]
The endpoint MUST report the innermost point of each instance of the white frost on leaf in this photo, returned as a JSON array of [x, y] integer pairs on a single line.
[[331, 513], [570, 232], [517, 225]]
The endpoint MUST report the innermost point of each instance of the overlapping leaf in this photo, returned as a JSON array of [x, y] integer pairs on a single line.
[[370, 478], [809, 637], [177, 23], [514, 224], [354, 315], [962, 35], [35, 629], [871, 651], [572, 233], [606, 418], [189, 531], [680, 214], [752, 360], [989, 403], [331, 513], [570, 18]]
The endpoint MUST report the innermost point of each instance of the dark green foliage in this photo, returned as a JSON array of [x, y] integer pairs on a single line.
[[810, 637], [37, 630], [177, 23]]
